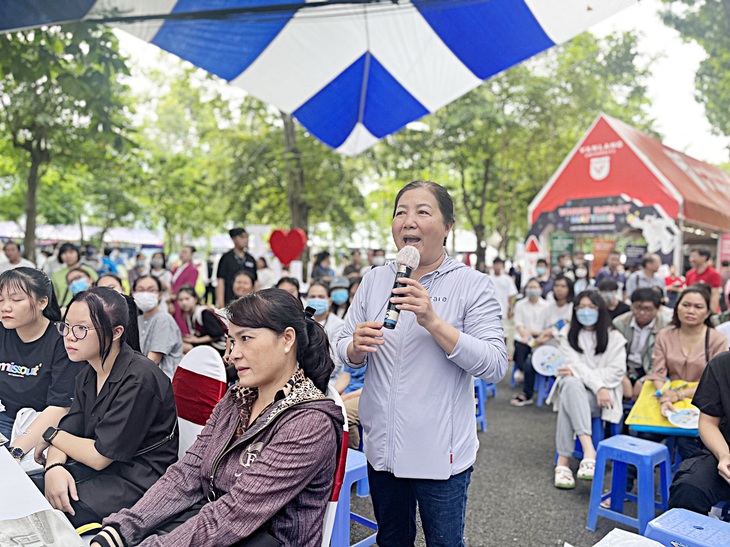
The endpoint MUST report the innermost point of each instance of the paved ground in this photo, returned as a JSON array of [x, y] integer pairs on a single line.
[[512, 501]]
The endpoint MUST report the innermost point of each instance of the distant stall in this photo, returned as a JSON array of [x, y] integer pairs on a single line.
[[620, 189]]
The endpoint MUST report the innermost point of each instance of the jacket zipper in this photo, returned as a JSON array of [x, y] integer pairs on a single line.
[[211, 489]]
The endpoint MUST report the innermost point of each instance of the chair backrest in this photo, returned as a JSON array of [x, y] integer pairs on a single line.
[[329, 514], [188, 432], [199, 383]]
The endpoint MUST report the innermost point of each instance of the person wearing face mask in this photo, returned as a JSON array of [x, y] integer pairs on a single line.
[[583, 281], [530, 315], [318, 298], [377, 258], [565, 266], [340, 295], [543, 277], [590, 383], [70, 256], [158, 269], [159, 338], [558, 314], [609, 291]]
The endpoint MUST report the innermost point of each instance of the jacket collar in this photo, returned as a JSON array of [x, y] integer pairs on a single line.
[[298, 389]]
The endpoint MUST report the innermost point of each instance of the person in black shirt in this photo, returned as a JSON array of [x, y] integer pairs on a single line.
[[230, 264], [704, 480], [35, 371], [204, 326], [120, 435], [609, 290]]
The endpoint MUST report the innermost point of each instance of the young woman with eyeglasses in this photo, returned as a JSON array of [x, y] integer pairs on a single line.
[[159, 335], [120, 435], [35, 371]]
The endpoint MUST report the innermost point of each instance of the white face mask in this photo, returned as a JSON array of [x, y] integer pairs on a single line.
[[145, 301], [581, 272], [378, 260]]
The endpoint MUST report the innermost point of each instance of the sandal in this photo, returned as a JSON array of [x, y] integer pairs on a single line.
[[564, 478], [521, 400], [586, 470]]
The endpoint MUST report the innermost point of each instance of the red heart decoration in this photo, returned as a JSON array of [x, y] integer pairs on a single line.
[[287, 246]]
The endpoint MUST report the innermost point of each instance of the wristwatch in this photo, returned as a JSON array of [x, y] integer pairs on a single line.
[[16, 452], [49, 434]]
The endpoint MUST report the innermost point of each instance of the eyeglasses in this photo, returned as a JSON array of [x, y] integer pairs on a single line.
[[79, 331]]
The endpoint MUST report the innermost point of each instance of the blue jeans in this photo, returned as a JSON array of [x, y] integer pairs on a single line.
[[441, 504], [6, 425]]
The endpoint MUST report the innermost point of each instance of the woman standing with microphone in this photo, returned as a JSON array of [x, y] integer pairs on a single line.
[[417, 403]]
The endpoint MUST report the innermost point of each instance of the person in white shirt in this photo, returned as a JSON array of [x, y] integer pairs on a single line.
[[505, 290], [15, 259], [558, 314], [530, 316]]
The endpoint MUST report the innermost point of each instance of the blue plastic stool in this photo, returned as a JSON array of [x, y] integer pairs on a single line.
[[512, 381], [356, 470], [645, 455], [689, 529], [362, 489], [491, 389], [543, 385], [480, 393]]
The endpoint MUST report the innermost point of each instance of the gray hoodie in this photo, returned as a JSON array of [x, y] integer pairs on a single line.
[[417, 404]]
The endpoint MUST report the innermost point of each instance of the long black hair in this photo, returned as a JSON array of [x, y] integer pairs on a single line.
[[602, 326], [109, 309], [36, 285], [276, 310]]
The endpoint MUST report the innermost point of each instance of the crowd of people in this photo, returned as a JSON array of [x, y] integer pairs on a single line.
[[620, 330], [88, 351]]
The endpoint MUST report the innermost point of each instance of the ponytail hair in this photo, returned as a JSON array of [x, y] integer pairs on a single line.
[[36, 285], [109, 309], [277, 310]]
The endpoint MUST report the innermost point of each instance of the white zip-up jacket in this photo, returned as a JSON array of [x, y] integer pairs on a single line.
[[417, 404]]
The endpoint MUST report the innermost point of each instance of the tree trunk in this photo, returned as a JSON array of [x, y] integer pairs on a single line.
[[298, 208], [31, 207]]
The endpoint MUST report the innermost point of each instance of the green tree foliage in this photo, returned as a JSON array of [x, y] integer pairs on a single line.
[[497, 146], [707, 22], [61, 104]]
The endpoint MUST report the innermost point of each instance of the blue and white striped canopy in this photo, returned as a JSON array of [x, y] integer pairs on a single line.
[[351, 71]]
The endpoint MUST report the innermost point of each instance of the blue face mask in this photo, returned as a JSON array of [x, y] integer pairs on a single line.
[[587, 317], [78, 285], [320, 306], [340, 296]]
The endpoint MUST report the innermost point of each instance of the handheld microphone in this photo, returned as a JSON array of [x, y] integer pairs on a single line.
[[407, 260]]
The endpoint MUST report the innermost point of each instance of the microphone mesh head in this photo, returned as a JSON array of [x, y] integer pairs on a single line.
[[408, 256]]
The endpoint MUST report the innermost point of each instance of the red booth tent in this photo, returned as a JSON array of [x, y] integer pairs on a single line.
[[615, 159]]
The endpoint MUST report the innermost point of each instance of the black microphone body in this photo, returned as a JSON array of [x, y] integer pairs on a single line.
[[392, 313]]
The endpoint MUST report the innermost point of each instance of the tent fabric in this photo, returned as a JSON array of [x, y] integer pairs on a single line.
[[614, 158], [350, 71]]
